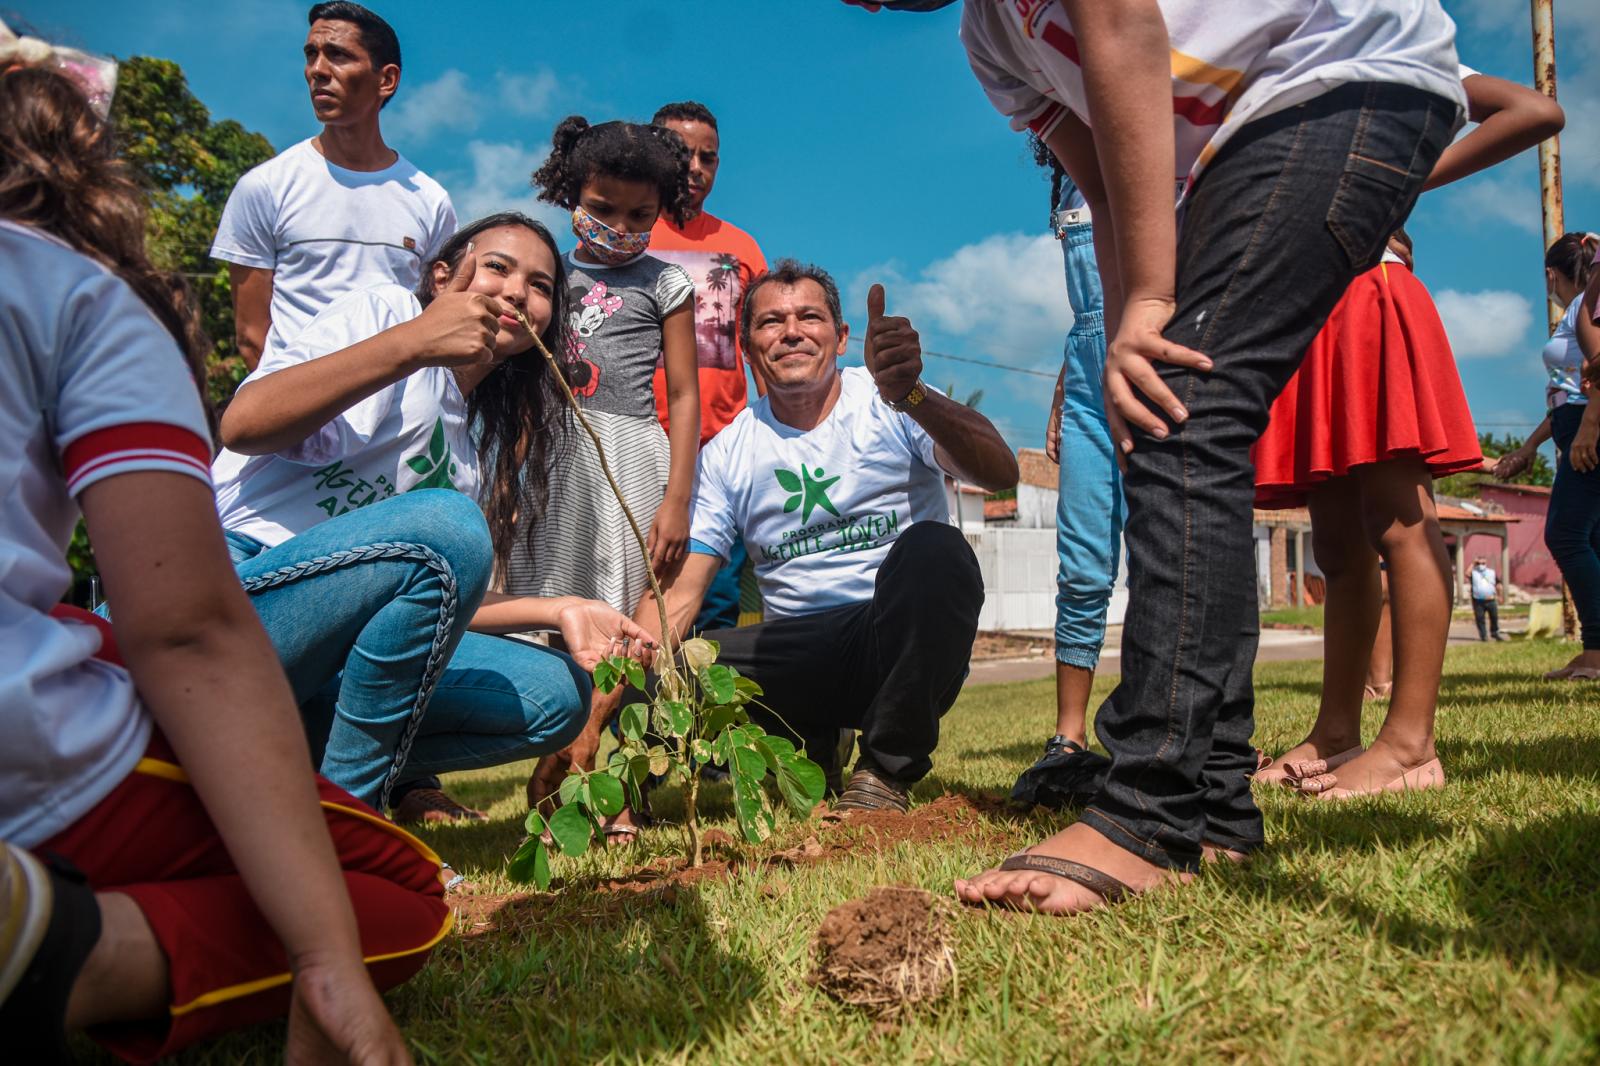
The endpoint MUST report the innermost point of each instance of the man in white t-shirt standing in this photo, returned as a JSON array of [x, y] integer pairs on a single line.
[[338, 212], [835, 482], [1485, 585]]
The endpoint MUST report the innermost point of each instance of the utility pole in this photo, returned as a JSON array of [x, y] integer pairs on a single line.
[[1544, 79]]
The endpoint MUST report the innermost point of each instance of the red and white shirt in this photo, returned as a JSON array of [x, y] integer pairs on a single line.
[[1232, 60], [95, 388]]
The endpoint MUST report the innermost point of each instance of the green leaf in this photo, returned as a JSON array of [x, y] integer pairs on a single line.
[[533, 823], [606, 675], [639, 768], [787, 479], [531, 863], [605, 792], [750, 763], [437, 449], [571, 829], [719, 719], [802, 783], [767, 753], [634, 671], [418, 465], [747, 686], [791, 504], [700, 751], [779, 746], [659, 760], [680, 719], [754, 815], [635, 721], [571, 785], [717, 680]]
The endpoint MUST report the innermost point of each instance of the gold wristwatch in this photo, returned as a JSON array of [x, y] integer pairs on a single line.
[[911, 399]]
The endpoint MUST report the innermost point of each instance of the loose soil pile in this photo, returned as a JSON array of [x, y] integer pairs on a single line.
[[885, 953]]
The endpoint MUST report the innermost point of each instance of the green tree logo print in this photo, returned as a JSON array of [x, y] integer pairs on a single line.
[[438, 466], [810, 491]]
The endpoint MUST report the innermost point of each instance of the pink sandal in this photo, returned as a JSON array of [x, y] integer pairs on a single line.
[[1430, 775], [1288, 773]]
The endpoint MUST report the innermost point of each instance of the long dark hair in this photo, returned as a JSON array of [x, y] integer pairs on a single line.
[[627, 151], [60, 173], [518, 415]]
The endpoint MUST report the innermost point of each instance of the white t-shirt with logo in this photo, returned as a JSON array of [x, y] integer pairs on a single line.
[[1563, 359], [1483, 582], [410, 435], [1232, 60], [95, 388], [324, 231], [818, 509]]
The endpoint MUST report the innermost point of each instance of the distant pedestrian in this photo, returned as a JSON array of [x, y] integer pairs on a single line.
[[1486, 593]]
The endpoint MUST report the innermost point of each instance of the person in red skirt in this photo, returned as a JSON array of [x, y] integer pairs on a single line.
[[170, 868], [1375, 413]]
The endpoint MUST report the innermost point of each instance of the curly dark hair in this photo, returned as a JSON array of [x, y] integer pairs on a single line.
[[518, 416], [1044, 157], [788, 272], [627, 151], [60, 172], [684, 111]]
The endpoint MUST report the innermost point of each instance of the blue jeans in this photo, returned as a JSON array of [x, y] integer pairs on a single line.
[[372, 608], [1290, 210], [1089, 507], [1572, 526]]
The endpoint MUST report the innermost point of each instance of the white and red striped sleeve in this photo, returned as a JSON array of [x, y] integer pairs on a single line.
[[135, 447], [124, 400]]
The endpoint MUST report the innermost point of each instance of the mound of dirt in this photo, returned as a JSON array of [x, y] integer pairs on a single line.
[[885, 953]]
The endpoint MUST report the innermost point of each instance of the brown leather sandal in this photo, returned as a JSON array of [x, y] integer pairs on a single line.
[[1099, 882]]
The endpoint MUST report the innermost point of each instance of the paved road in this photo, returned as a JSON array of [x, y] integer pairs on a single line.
[[1277, 645]]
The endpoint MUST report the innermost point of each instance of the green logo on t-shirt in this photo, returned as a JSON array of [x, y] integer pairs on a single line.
[[810, 491], [437, 467]]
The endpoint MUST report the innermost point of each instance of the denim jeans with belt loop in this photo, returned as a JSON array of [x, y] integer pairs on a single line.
[[1293, 207]]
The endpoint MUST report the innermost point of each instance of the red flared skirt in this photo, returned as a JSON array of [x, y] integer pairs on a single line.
[[1379, 382]]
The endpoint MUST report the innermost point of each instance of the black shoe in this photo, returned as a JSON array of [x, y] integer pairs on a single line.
[[1066, 775], [60, 927], [869, 790]]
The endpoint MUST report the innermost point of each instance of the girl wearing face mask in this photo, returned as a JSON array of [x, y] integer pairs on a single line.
[[629, 313], [350, 489]]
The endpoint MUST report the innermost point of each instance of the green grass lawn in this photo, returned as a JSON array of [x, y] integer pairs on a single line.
[[1453, 926]]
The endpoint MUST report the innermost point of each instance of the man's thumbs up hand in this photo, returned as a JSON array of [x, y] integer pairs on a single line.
[[893, 350]]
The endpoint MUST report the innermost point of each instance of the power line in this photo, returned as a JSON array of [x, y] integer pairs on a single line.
[[978, 362]]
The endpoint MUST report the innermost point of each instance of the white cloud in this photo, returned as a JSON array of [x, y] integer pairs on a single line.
[[1499, 197], [1484, 324], [452, 102], [1004, 297], [498, 181]]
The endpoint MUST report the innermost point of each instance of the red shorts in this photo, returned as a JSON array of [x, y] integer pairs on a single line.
[[151, 840]]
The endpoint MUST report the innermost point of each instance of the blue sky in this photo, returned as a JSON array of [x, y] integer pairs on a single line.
[[857, 141]]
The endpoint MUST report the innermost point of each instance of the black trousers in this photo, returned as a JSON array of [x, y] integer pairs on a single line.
[[889, 667], [1492, 609]]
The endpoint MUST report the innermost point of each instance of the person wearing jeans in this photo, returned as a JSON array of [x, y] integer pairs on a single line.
[[1299, 146], [379, 600], [1088, 513], [1572, 527]]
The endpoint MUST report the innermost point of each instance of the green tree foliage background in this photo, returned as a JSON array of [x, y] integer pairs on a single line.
[[1539, 472], [188, 165]]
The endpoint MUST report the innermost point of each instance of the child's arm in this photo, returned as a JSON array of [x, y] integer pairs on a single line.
[[669, 533], [210, 677], [1127, 80], [1510, 118], [592, 630]]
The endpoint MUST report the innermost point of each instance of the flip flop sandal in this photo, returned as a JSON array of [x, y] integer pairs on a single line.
[[1583, 673], [1108, 888], [620, 835], [1377, 692]]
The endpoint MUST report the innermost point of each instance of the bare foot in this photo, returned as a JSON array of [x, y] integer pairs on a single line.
[[1218, 853], [1049, 894], [621, 829], [1374, 768]]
